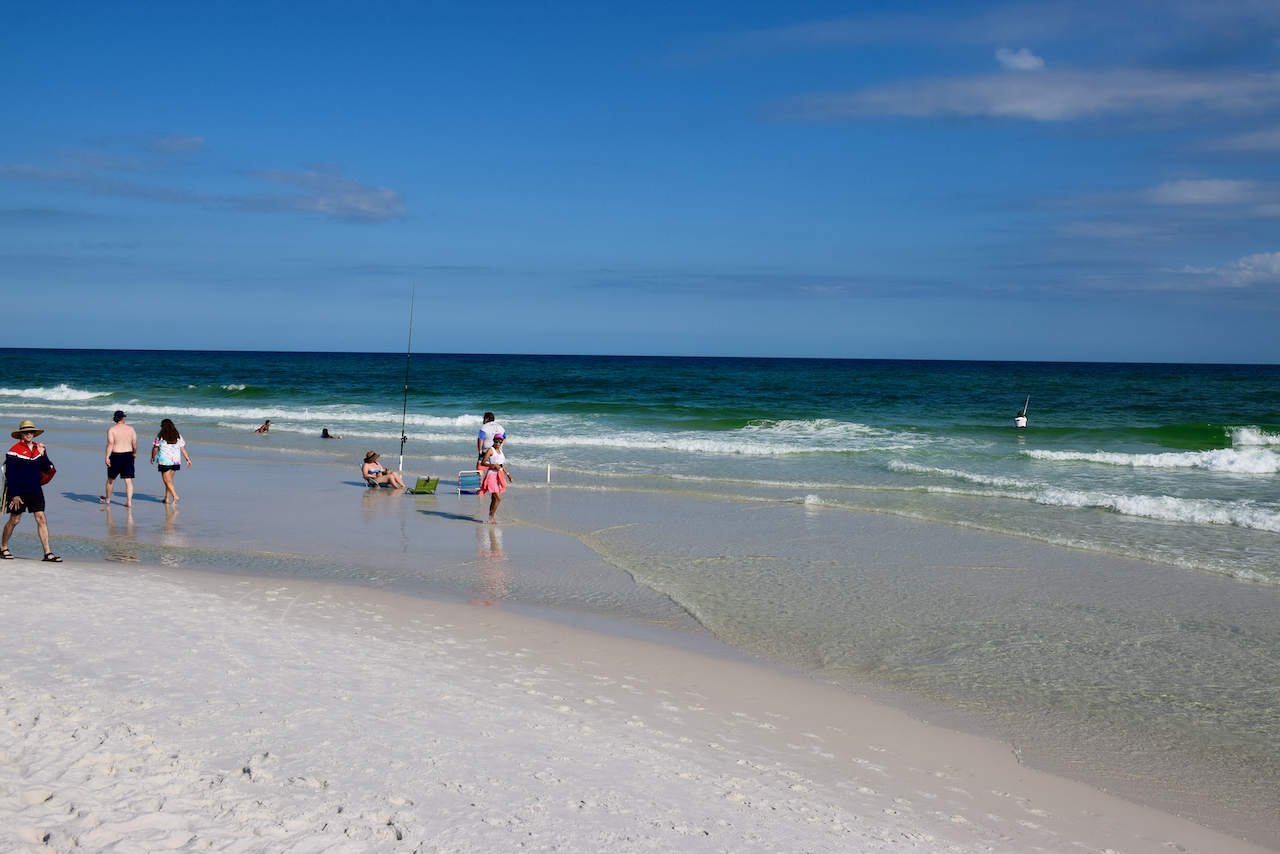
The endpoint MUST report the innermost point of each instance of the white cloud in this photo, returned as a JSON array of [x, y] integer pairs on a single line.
[[328, 194], [324, 191], [1202, 192], [176, 143], [1050, 96], [1022, 60], [1262, 268], [1263, 140]]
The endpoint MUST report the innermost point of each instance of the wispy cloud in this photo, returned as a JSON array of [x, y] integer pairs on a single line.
[[1258, 270], [770, 284], [1191, 31], [176, 143], [322, 191], [1049, 96], [1262, 140], [94, 182], [1021, 60], [1202, 192], [328, 193]]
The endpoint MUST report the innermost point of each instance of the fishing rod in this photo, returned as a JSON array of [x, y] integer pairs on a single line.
[[405, 414], [1025, 405]]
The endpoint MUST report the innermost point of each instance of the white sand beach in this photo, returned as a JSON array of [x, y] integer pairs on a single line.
[[150, 706], [158, 709]]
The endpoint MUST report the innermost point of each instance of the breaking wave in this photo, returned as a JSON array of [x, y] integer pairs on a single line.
[[1247, 461], [58, 392]]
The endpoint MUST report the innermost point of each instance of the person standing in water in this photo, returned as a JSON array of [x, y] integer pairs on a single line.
[[495, 475], [170, 448], [122, 453]]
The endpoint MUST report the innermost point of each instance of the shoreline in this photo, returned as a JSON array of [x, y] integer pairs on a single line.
[[320, 523], [305, 711]]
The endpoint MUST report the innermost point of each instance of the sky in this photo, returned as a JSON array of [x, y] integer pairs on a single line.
[[1086, 181]]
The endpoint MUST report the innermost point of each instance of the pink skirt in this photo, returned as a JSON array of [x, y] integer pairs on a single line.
[[494, 481]]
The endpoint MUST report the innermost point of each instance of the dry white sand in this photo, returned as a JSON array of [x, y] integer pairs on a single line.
[[149, 709]]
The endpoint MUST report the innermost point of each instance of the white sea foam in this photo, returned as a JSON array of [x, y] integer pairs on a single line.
[[1207, 511], [1240, 514], [58, 392], [235, 387], [1253, 436], [1248, 461], [988, 480]]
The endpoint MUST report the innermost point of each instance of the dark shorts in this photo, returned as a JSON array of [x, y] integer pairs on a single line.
[[121, 465], [169, 468], [31, 502]]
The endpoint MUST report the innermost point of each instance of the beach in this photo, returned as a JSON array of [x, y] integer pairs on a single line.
[[373, 671], [1093, 598], [160, 709]]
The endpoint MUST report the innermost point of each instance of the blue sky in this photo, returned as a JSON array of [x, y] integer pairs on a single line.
[[1031, 180]]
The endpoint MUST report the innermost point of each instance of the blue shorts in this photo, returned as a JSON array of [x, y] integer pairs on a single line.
[[121, 465]]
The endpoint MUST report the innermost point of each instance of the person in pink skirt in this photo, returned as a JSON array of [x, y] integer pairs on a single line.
[[496, 476]]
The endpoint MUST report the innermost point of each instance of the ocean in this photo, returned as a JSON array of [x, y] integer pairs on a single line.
[[1176, 464], [1149, 662]]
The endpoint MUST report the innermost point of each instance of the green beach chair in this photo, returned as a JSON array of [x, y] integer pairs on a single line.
[[425, 486]]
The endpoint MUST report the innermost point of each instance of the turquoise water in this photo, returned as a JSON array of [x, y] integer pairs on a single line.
[[1178, 464], [1158, 678]]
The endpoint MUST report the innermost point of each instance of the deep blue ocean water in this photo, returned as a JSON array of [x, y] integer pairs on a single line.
[[1177, 464]]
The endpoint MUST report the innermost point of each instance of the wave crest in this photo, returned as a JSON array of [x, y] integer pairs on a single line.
[[1248, 461], [58, 392], [1253, 436]]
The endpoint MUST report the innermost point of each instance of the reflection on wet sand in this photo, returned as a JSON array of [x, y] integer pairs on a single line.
[[170, 535], [373, 504], [491, 580], [122, 544]]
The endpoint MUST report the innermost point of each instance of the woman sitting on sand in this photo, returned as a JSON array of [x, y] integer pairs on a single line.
[[373, 470], [496, 476], [170, 449]]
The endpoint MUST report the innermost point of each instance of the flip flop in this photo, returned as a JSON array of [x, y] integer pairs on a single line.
[[5, 554], [52, 558]]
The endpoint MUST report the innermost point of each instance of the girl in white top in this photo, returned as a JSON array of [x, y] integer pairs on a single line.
[[496, 476]]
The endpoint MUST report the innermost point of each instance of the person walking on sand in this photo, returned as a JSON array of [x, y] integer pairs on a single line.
[[489, 429], [27, 468], [170, 448], [122, 453], [495, 477]]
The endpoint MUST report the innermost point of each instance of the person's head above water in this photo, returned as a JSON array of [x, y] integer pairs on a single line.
[[488, 416]]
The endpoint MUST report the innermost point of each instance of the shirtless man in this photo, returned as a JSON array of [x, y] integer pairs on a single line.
[[122, 452]]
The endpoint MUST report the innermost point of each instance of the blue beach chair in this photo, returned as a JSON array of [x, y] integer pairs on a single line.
[[468, 481]]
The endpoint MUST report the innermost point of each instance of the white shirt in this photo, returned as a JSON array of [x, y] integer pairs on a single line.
[[488, 431]]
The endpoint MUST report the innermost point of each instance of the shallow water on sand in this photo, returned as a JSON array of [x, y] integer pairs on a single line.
[[1154, 682]]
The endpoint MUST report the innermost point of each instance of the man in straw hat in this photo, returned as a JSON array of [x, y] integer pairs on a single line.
[[26, 469]]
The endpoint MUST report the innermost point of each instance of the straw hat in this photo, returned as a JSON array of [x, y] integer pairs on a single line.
[[25, 427], [370, 456]]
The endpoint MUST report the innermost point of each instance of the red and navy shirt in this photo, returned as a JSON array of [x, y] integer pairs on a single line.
[[23, 466]]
